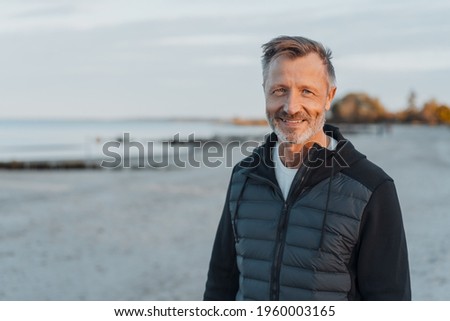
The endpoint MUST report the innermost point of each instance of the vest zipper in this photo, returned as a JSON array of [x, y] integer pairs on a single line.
[[276, 267], [281, 237], [275, 271], [281, 230]]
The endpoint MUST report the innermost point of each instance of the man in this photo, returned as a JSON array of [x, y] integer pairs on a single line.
[[307, 217]]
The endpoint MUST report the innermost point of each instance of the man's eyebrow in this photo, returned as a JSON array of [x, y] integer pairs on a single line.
[[277, 84]]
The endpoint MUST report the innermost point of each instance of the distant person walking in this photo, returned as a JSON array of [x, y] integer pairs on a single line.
[[307, 216]]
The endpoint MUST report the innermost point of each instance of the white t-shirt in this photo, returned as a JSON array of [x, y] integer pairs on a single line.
[[285, 175]]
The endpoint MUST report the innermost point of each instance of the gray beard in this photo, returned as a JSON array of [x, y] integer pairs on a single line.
[[291, 137]]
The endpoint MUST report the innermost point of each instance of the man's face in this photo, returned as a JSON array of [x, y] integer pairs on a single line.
[[297, 96]]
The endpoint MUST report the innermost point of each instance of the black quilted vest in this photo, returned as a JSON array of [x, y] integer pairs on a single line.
[[298, 249]]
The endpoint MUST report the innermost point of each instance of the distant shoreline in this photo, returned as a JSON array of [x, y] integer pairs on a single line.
[[94, 162], [239, 121]]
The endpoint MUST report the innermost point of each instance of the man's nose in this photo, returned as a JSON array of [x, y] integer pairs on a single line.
[[293, 103]]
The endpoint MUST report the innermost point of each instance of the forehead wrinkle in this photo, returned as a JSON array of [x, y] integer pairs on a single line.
[[282, 73], [289, 57]]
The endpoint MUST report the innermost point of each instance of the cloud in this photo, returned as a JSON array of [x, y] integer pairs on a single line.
[[232, 60], [401, 61], [89, 14], [47, 11], [207, 40]]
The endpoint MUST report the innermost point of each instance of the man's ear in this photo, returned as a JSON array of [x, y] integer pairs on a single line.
[[330, 97]]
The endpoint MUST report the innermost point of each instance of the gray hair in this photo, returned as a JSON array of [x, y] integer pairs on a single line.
[[294, 47]]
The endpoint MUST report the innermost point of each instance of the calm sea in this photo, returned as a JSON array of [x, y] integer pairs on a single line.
[[24, 140]]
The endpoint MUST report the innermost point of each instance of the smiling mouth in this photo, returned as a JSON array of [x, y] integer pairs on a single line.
[[292, 121]]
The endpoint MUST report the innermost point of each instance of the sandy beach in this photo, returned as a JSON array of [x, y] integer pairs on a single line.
[[147, 234]]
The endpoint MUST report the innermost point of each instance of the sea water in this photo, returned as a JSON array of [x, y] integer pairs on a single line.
[[44, 140]]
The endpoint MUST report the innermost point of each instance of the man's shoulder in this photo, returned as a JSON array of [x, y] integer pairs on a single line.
[[367, 173]]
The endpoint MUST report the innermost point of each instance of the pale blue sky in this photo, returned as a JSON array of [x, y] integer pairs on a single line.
[[117, 58]]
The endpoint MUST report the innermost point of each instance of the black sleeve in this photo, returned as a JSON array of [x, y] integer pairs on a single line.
[[223, 277], [382, 261]]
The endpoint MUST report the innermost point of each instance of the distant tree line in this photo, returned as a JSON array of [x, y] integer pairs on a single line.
[[361, 108]]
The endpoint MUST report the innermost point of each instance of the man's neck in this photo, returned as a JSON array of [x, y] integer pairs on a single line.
[[293, 155]]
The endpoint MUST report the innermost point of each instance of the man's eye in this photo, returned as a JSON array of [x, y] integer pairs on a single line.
[[307, 92], [279, 91]]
